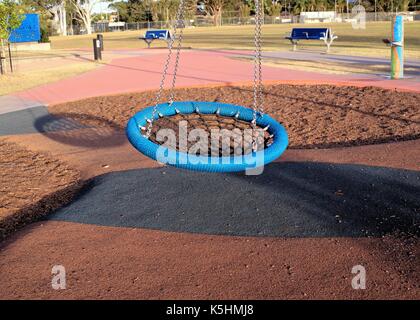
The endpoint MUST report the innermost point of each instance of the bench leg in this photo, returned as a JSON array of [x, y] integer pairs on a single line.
[[329, 42], [148, 43]]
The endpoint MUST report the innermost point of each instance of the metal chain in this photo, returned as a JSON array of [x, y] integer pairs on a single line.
[[179, 14], [258, 86], [178, 51]]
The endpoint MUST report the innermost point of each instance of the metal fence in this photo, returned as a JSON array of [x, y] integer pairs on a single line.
[[201, 21]]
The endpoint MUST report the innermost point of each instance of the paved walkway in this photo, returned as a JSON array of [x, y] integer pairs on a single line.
[[142, 231], [142, 71], [412, 65]]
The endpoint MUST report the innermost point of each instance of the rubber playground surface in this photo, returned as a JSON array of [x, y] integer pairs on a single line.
[[124, 226]]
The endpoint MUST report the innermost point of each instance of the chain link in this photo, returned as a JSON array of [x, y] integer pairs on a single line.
[[178, 50], [179, 20], [258, 86]]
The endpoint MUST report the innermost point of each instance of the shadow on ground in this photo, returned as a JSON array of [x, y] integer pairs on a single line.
[[81, 130], [291, 199]]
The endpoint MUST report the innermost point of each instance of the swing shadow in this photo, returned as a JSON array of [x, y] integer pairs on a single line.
[[81, 130], [290, 199]]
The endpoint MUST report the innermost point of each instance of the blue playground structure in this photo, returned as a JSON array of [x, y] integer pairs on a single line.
[[29, 30], [206, 163], [139, 127]]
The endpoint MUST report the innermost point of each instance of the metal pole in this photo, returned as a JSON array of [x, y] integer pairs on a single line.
[[2, 58], [397, 48], [1, 64], [10, 57], [375, 11]]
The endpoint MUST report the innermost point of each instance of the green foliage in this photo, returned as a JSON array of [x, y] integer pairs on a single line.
[[11, 16], [44, 34], [164, 10], [272, 8]]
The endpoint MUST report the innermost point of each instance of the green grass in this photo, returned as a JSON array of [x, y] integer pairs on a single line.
[[367, 42]]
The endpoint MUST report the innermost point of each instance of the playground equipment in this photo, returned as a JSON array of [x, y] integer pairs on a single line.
[[267, 140], [397, 47]]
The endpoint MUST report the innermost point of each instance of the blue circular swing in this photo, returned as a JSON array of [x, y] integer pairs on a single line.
[[139, 127], [206, 163]]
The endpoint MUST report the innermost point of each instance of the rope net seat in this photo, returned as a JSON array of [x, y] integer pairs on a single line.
[[234, 144], [208, 136]]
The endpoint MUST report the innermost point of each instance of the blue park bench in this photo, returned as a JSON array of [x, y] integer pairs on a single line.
[[324, 34], [152, 35]]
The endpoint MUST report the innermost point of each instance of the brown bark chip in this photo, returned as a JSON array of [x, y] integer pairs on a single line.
[[314, 115], [31, 185], [125, 263]]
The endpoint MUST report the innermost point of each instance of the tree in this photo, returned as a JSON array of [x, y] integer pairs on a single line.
[[11, 17], [122, 8], [60, 17], [299, 6], [55, 10], [214, 9], [244, 10], [272, 8], [84, 10]]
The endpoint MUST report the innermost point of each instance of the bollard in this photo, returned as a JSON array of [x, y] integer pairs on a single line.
[[100, 37], [397, 48], [97, 53]]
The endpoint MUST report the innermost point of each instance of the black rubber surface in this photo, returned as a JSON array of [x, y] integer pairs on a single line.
[[288, 200]]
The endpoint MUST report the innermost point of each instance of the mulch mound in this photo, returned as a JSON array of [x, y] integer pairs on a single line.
[[315, 116], [31, 185]]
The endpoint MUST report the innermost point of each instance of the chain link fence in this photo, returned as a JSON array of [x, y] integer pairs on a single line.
[[202, 21]]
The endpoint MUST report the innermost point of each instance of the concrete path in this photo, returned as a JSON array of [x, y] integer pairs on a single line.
[[143, 231], [412, 64], [142, 71]]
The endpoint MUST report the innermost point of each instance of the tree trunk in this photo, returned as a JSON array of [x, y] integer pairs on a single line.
[[218, 17], [60, 18], [88, 23], [63, 18]]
